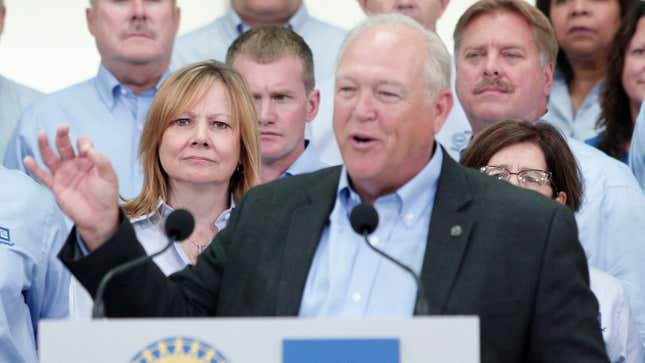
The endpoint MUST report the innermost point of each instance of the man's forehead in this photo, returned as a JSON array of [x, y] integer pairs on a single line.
[[513, 33]]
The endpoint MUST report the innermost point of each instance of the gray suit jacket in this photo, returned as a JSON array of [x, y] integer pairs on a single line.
[[517, 264]]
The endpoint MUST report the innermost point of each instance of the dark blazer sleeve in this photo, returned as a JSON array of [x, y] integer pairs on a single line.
[[565, 327], [146, 291]]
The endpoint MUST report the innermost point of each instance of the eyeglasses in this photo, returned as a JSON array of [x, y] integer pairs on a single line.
[[530, 178]]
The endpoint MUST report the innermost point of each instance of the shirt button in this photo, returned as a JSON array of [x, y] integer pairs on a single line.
[[356, 297], [409, 217], [374, 240]]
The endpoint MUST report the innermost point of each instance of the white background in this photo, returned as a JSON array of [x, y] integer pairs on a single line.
[[46, 45]]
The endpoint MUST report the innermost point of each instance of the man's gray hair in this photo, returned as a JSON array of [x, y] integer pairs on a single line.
[[437, 56]]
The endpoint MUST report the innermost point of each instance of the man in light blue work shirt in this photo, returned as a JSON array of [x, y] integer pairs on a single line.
[[278, 66], [637, 149], [134, 39], [212, 41], [506, 75], [14, 98], [33, 282]]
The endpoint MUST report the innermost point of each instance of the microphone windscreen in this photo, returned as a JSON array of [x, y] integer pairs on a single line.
[[179, 224], [364, 218]]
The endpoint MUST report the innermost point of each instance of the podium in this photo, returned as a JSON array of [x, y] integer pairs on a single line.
[[247, 340]]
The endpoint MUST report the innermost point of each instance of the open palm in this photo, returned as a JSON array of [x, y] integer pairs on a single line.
[[85, 185]]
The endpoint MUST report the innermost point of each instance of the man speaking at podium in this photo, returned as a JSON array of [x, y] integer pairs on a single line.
[[479, 245]]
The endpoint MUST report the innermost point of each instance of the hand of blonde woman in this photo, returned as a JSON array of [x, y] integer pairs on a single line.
[[85, 185]]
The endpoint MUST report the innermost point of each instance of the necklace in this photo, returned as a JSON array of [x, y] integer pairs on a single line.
[[200, 246]]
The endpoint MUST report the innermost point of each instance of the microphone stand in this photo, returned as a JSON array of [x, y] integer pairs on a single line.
[[98, 310], [421, 306]]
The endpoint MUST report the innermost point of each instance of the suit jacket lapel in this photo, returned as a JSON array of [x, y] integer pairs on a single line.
[[448, 236], [310, 213]]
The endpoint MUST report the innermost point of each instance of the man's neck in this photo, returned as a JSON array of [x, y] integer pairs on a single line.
[[138, 77], [254, 19], [273, 169]]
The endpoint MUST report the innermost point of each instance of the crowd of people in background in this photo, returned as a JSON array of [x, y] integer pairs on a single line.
[[229, 121]]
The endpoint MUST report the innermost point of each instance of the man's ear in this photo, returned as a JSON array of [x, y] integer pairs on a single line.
[[443, 4], [3, 13], [363, 5], [442, 106], [548, 77], [313, 104], [89, 18]]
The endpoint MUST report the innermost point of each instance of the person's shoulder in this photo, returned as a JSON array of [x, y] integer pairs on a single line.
[[199, 35], [50, 106], [598, 166], [329, 29], [68, 95], [23, 92], [287, 188], [20, 193]]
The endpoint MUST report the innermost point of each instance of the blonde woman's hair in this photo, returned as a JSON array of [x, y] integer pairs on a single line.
[[179, 93]]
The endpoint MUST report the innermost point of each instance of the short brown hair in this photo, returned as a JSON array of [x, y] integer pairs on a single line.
[[543, 32], [559, 158], [180, 92], [267, 43]]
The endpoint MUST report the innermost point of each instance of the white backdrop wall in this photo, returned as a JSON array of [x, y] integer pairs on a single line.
[[46, 45]]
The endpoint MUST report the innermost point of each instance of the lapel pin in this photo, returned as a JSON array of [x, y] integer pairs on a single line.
[[455, 231]]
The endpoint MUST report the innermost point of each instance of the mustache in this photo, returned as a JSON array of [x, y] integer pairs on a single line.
[[139, 27], [494, 82]]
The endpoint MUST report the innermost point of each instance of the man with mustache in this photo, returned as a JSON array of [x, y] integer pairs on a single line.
[[507, 74], [278, 67], [134, 39]]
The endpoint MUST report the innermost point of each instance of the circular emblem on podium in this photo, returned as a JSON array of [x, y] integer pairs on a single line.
[[179, 350]]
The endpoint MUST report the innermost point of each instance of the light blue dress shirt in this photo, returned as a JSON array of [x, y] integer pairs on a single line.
[[101, 108], [33, 282], [212, 42], [349, 280], [582, 124], [637, 148], [307, 162], [14, 98]]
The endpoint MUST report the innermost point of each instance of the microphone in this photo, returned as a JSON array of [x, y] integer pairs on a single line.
[[364, 220], [179, 225]]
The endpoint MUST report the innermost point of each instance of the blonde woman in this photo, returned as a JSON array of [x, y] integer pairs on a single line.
[[199, 151]]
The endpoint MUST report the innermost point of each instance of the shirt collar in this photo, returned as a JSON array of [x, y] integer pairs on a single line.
[[165, 209], [236, 26], [415, 195], [307, 162], [109, 87]]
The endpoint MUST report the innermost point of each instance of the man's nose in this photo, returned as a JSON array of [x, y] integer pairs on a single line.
[[266, 111]]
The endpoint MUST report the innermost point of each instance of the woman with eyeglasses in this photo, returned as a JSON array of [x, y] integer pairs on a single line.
[[536, 157]]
